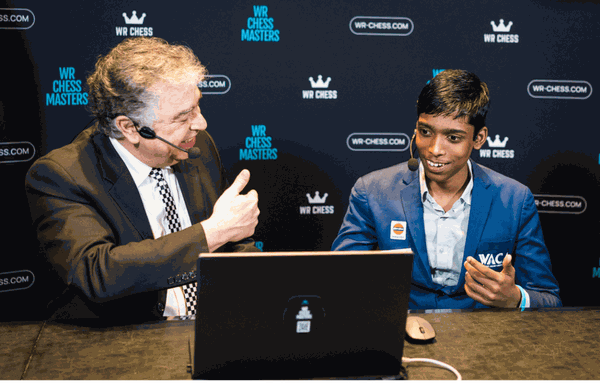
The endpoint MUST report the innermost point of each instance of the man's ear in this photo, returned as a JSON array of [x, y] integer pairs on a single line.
[[128, 129], [481, 137]]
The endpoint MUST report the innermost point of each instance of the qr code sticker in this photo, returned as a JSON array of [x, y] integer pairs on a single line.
[[303, 326]]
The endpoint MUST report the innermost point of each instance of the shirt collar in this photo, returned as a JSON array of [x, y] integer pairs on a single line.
[[139, 170], [466, 196]]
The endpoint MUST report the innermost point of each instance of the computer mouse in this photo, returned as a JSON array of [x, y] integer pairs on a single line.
[[418, 329]]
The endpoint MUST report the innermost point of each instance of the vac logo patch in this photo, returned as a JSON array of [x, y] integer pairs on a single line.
[[398, 230], [492, 261]]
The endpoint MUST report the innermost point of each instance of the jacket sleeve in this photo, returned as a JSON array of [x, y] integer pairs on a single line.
[[96, 250], [532, 260], [358, 227]]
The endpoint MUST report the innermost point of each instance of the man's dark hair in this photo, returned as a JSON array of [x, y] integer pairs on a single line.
[[456, 92]]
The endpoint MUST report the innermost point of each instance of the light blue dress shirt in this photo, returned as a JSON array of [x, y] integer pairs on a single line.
[[446, 232]]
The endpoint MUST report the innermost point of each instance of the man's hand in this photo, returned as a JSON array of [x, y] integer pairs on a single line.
[[235, 216], [496, 289]]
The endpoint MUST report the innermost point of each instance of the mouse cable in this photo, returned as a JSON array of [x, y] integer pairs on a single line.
[[406, 360]]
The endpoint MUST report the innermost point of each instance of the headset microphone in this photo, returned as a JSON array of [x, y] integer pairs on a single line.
[[148, 133], [413, 163]]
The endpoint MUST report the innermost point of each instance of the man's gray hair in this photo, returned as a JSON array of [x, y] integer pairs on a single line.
[[120, 82]]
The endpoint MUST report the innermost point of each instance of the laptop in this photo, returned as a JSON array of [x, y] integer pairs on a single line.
[[301, 315]]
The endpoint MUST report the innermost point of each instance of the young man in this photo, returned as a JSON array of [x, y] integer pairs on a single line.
[[475, 233]]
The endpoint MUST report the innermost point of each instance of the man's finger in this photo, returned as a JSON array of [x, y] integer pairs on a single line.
[[240, 183], [253, 193], [475, 290], [507, 267], [480, 278], [482, 269]]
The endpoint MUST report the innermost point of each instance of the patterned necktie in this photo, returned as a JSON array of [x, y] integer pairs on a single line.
[[189, 290]]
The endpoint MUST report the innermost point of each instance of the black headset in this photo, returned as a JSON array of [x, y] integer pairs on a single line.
[[413, 163], [148, 133]]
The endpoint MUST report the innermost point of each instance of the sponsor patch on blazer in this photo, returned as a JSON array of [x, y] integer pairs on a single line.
[[398, 230], [492, 253]]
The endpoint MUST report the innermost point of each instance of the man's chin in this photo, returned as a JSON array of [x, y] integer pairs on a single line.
[[435, 175], [169, 162], [181, 156]]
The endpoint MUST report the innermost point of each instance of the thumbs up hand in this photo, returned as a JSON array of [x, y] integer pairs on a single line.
[[236, 188], [235, 215], [496, 289]]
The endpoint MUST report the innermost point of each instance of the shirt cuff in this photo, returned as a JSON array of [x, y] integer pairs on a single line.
[[175, 302], [525, 300]]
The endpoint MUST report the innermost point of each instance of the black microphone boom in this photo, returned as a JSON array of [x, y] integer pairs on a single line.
[[148, 133], [413, 163], [193, 152]]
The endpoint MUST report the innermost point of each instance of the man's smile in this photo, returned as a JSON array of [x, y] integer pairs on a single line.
[[437, 165], [188, 143]]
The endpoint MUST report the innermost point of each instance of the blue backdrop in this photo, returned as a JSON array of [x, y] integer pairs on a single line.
[[310, 95]]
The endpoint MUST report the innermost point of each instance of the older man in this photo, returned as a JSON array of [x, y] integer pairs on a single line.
[[120, 213]]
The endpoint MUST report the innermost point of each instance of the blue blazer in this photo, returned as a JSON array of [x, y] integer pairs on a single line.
[[503, 219]]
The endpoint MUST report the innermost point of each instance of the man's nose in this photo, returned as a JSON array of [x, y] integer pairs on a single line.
[[199, 122], [436, 146]]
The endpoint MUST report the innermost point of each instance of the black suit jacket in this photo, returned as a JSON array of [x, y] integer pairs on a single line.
[[92, 228]]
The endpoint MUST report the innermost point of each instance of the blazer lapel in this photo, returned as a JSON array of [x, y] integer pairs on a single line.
[[481, 199], [413, 209], [123, 190], [188, 177]]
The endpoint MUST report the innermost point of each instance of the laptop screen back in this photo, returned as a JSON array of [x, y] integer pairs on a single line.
[[301, 315]]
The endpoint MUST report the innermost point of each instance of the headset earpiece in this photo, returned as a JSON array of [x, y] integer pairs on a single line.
[[147, 133]]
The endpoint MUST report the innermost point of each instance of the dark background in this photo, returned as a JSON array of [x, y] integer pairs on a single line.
[[553, 138]]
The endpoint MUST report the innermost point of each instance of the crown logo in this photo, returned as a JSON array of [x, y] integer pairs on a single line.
[[134, 19], [496, 142], [304, 313], [501, 27], [316, 199], [319, 83]]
